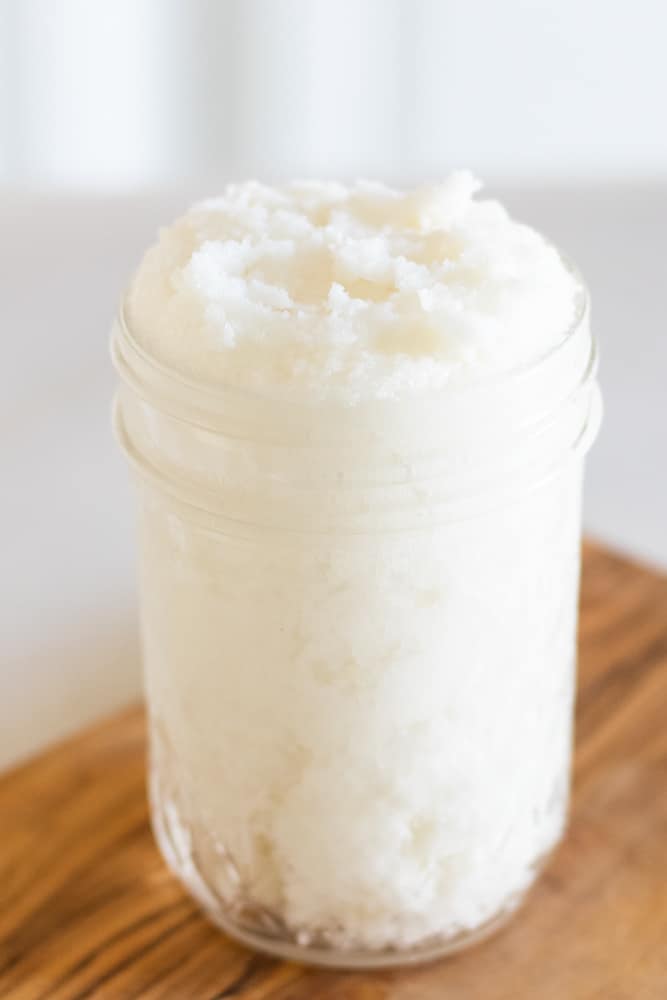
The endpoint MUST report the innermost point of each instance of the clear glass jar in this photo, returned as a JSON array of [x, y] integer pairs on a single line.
[[359, 639]]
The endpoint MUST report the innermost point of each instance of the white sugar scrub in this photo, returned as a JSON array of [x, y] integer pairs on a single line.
[[358, 418], [361, 292]]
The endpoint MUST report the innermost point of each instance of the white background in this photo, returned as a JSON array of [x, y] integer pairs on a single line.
[[114, 116], [153, 91]]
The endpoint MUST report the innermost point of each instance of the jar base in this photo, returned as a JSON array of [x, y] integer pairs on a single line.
[[356, 960], [174, 844]]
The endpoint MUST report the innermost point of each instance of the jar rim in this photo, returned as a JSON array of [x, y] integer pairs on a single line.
[[223, 450], [218, 392]]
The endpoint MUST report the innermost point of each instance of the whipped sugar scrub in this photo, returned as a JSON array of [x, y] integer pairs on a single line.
[[358, 418]]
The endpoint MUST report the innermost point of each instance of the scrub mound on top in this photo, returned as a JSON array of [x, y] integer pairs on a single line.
[[354, 292]]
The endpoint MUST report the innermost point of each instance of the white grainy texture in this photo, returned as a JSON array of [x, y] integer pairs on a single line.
[[375, 729], [357, 291]]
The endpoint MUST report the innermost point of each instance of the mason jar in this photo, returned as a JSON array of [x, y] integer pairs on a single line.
[[359, 629]]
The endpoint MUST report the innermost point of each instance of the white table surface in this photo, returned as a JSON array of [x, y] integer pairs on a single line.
[[68, 634]]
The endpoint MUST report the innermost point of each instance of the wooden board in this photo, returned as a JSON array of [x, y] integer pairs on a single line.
[[88, 909]]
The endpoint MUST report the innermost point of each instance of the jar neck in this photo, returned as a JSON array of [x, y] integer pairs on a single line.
[[331, 465]]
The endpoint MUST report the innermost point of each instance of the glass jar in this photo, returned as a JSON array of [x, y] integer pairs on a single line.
[[359, 640]]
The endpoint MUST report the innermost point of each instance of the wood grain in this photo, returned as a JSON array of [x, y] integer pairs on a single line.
[[88, 909]]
